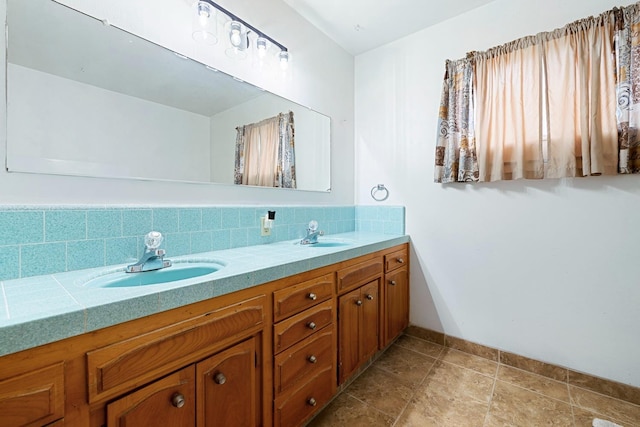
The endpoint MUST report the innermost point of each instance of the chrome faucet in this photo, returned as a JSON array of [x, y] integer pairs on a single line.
[[312, 234], [153, 258]]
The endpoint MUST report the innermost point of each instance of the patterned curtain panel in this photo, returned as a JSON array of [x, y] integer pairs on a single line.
[[563, 103], [456, 158], [239, 157], [628, 88], [286, 169]]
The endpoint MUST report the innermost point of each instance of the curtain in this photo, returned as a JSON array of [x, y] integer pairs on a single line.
[[456, 158], [627, 54], [265, 153], [286, 161], [581, 100], [563, 103], [508, 111]]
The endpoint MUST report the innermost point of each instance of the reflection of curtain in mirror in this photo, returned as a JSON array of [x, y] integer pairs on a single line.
[[265, 153]]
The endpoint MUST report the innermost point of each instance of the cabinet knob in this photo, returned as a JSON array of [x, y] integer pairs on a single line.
[[400, 260], [313, 296], [358, 302], [392, 282], [312, 402], [312, 359], [219, 378], [311, 325], [177, 400], [369, 297]]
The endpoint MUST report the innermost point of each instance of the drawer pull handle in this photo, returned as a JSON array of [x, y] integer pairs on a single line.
[[219, 378], [311, 325], [313, 359], [400, 260], [369, 297], [358, 302], [177, 400], [392, 282], [312, 402], [313, 296]]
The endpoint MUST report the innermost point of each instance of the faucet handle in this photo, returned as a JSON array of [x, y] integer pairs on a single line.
[[153, 240], [313, 225]]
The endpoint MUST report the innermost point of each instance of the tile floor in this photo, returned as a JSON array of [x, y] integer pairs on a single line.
[[417, 383]]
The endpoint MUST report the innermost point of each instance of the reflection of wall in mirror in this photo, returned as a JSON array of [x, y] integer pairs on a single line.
[[312, 156], [119, 135]]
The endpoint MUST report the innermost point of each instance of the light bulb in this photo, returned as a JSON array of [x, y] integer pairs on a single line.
[[204, 11], [261, 47], [283, 58]]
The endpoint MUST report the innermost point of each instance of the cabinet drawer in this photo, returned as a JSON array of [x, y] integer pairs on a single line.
[[134, 362], [34, 398], [295, 408], [296, 298], [302, 325], [358, 274], [304, 360], [395, 260]]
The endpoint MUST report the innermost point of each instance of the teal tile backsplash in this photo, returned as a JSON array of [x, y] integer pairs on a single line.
[[21, 227], [380, 219], [45, 240]]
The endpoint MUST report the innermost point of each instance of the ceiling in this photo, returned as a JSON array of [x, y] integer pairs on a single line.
[[361, 25]]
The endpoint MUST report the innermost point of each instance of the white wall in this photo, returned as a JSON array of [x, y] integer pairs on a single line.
[[321, 77], [543, 269]]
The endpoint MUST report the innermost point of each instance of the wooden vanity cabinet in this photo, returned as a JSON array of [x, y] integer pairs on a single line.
[[272, 354], [34, 398], [304, 374], [169, 401], [396, 290], [359, 308], [216, 392], [227, 387], [358, 327]]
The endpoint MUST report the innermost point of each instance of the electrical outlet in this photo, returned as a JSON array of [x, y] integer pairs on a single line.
[[264, 230]]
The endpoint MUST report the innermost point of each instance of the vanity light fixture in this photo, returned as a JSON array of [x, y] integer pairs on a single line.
[[238, 32]]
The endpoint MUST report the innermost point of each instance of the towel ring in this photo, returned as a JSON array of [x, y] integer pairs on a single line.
[[376, 189]]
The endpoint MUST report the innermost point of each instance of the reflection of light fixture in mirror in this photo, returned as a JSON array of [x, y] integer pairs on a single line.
[[238, 39], [204, 24], [238, 32]]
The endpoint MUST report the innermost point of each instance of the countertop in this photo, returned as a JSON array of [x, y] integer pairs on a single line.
[[43, 309]]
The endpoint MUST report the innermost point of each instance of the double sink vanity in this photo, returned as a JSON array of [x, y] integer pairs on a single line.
[[255, 336]]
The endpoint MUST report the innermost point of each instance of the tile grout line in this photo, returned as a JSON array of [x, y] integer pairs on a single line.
[[366, 404], [414, 390], [493, 389]]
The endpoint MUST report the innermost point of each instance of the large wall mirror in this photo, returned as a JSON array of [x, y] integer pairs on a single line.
[[90, 99]]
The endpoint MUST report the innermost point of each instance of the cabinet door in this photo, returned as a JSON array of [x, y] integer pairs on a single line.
[[397, 303], [169, 401], [348, 334], [33, 398], [227, 387], [369, 321]]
